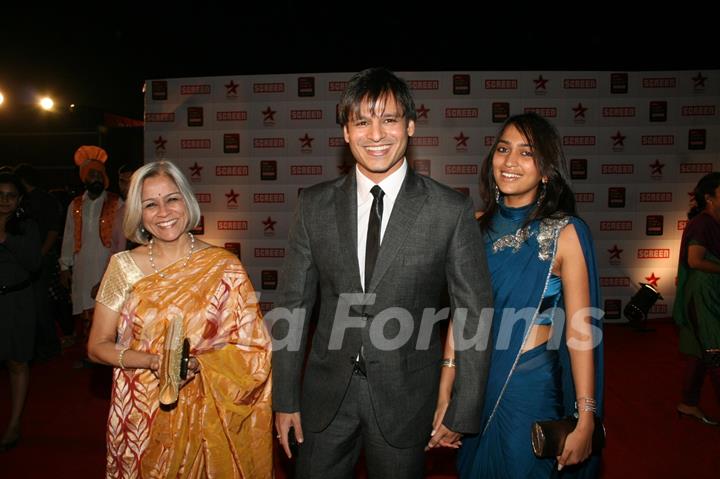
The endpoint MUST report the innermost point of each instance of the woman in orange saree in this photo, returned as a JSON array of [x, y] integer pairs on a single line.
[[220, 425]]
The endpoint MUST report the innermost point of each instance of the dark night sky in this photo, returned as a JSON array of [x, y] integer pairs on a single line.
[[100, 58]]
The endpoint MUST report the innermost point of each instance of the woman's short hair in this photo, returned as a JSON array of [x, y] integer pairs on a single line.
[[132, 222]]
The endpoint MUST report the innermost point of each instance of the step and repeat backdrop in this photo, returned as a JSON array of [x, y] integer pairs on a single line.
[[636, 144]]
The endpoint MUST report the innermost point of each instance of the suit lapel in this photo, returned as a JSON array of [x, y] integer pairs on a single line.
[[404, 213], [346, 217]]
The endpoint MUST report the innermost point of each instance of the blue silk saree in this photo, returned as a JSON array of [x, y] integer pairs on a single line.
[[537, 384]]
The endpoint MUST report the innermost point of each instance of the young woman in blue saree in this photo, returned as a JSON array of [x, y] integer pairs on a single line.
[[547, 337]]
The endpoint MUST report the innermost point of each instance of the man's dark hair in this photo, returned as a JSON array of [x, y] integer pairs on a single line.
[[128, 168], [374, 85]]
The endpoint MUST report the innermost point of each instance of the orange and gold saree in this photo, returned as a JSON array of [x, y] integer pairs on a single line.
[[221, 425]]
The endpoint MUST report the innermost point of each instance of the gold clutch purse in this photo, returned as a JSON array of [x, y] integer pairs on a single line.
[[173, 365]]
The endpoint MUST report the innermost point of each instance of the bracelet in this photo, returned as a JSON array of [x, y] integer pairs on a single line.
[[588, 404], [448, 363], [120, 358]]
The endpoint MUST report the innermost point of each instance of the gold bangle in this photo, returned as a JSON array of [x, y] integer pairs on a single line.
[[120, 358], [448, 363]]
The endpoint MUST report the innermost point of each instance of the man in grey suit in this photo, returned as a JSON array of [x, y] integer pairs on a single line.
[[382, 246]]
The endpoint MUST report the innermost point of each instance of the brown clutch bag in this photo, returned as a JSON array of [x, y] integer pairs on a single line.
[[173, 365], [548, 437]]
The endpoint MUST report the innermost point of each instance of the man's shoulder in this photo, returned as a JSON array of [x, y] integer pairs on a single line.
[[441, 191], [320, 190]]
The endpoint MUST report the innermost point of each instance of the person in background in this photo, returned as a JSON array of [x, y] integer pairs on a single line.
[[545, 364], [47, 213], [19, 260], [125, 173], [397, 242], [119, 242], [221, 423], [697, 303], [87, 239], [60, 300]]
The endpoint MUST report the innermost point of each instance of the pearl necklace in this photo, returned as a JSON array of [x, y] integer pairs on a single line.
[[152, 262]]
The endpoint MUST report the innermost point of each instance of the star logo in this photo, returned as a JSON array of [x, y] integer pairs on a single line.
[[232, 197], [656, 168], [268, 114], [422, 112], [580, 111], [160, 143], [699, 80], [306, 141], [652, 280], [618, 139], [231, 88], [269, 224], [461, 140], [615, 252], [195, 170], [540, 83]]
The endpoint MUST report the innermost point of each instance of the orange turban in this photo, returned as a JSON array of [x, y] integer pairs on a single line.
[[89, 157]]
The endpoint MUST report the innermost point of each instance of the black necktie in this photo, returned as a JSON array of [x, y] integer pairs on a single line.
[[373, 235], [372, 246]]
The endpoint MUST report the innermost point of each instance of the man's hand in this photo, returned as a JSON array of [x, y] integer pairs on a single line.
[[441, 436], [444, 437], [283, 422], [65, 278]]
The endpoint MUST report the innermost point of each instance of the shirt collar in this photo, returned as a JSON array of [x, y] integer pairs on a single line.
[[390, 185]]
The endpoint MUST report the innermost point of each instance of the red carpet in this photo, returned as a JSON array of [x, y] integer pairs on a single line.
[[63, 428]]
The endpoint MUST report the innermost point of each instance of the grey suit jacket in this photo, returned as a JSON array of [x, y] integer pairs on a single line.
[[432, 246]]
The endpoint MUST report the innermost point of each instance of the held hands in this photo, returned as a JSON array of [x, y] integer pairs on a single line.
[[578, 446], [441, 436], [286, 424]]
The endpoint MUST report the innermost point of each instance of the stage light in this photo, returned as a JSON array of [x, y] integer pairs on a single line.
[[46, 103], [2, 98], [636, 311]]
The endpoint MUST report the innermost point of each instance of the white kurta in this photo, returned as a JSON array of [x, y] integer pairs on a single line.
[[88, 264]]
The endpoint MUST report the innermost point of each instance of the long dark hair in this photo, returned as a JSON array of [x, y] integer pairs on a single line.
[[556, 197], [14, 224], [706, 186]]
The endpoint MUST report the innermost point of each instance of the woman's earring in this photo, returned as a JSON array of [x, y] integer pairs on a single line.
[[497, 194], [541, 195]]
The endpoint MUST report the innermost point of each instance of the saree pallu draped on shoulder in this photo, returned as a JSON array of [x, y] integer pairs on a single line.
[[536, 384], [221, 425]]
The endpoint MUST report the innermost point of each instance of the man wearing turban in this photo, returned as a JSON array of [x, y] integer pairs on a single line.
[[87, 240]]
